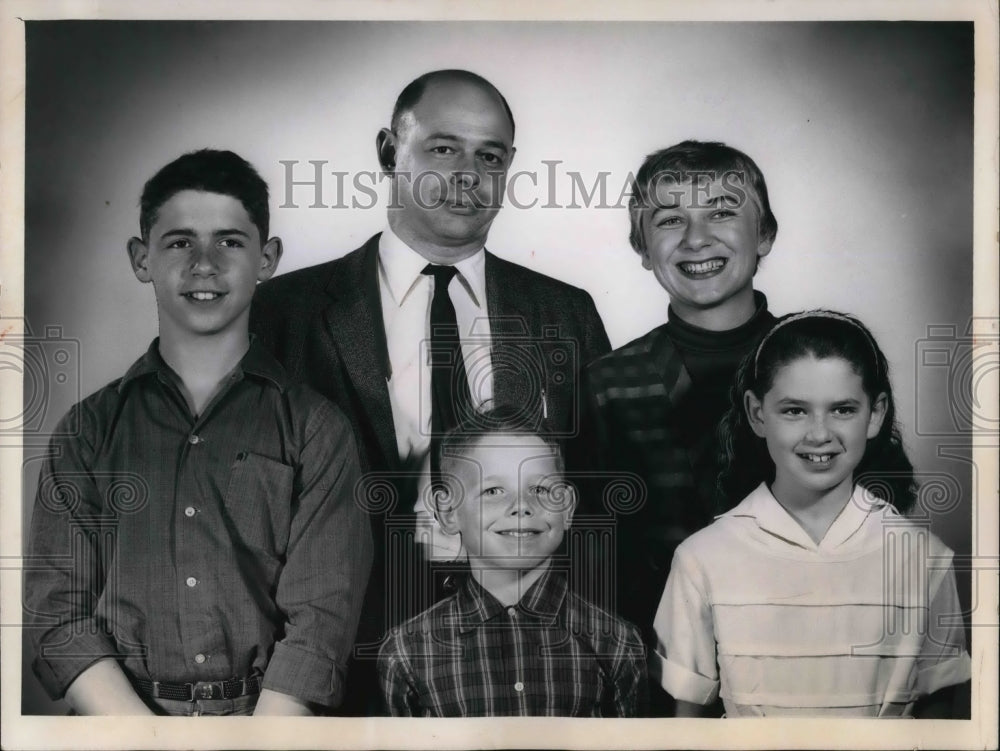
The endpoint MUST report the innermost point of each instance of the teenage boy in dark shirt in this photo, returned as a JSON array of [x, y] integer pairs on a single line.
[[196, 547]]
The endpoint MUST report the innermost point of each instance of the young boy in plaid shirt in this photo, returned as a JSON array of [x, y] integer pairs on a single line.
[[512, 640], [701, 221]]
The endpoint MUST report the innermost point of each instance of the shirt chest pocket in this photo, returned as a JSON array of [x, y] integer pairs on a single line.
[[258, 502]]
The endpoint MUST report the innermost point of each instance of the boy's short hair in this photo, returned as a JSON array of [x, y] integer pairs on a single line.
[[690, 158], [212, 171], [500, 420]]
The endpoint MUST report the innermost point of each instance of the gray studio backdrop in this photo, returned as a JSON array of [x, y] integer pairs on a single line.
[[863, 131]]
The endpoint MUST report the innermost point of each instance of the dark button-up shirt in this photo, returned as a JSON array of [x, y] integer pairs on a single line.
[[551, 654], [200, 548]]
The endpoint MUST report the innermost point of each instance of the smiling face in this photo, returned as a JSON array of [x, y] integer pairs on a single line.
[[513, 506], [449, 158], [702, 241], [816, 419], [204, 258]]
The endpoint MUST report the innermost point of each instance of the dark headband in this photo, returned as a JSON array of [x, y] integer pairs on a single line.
[[829, 314]]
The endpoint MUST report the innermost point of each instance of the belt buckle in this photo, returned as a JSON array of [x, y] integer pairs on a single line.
[[206, 690]]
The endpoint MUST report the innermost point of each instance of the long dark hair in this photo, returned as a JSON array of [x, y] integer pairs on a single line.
[[884, 470]]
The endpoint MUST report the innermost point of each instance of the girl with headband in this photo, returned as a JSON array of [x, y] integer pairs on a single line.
[[814, 595]]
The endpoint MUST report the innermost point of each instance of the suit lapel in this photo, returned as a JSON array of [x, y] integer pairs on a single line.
[[511, 318], [354, 321], [513, 323]]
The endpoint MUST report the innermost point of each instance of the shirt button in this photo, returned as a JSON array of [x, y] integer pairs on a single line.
[[189, 511], [191, 581], [193, 439], [519, 686], [511, 612], [200, 658]]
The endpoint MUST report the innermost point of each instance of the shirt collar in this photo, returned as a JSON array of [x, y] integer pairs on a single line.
[[543, 600], [257, 362], [261, 363], [400, 267], [771, 517], [150, 362]]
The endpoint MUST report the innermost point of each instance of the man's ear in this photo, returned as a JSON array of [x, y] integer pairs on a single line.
[[138, 255], [385, 146], [755, 413], [877, 416], [270, 254]]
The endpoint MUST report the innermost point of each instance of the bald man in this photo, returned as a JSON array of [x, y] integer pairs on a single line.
[[359, 329]]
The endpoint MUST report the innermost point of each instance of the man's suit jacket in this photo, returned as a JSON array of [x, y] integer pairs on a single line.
[[324, 324]]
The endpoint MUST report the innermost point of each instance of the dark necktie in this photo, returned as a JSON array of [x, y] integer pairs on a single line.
[[449, 385]]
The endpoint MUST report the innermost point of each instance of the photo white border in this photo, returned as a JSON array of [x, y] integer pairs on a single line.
[[32, 732]]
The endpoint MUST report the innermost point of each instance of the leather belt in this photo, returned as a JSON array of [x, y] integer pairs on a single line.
[[228, 689]]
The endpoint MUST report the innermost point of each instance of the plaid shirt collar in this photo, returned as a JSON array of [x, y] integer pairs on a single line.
[[474, 606], [256, 362]]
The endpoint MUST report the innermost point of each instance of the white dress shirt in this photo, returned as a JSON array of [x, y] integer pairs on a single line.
[[406, 296]]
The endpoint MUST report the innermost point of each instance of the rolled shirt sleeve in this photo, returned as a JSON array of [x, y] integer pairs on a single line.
[[943, 659], [66, 559], [329, 557], [200, 547], [684, 661]]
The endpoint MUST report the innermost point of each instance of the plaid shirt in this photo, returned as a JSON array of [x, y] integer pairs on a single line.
[[551, 654], [200, 548]]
